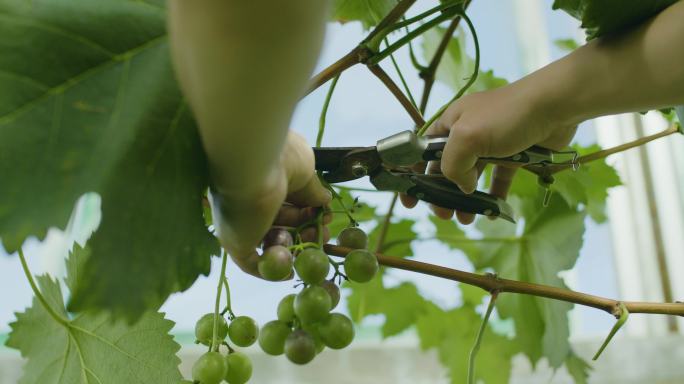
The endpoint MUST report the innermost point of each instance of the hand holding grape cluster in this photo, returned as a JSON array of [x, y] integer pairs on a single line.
[[305, 324]]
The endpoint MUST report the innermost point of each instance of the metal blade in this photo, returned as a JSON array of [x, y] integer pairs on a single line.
[[345, 164]]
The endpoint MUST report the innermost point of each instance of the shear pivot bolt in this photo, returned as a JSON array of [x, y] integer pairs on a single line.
[[438, 154], [420, 195], [517, 157], [487, 212], [359, 170]]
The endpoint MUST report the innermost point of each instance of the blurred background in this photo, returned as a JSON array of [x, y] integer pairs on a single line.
[[633, 256]]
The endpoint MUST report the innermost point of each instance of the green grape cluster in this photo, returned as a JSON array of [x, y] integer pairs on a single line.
[[305, 325], [235, 367]]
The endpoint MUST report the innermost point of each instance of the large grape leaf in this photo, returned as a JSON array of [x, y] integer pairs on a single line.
[[368, 12], [92, 348], [88, 103], [550, 243], [456, 66], [452, 333], [401, 305], [604, 17]]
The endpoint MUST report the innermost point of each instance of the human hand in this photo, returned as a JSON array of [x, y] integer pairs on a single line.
[[241, 221], [496, 123]]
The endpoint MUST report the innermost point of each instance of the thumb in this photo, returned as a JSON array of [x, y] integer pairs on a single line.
[[312, 194]]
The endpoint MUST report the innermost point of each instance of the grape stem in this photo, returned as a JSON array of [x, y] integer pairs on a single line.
[[36, 292], [491, 283], [478, 338], [214, 338], [228, 308], [361, 53], [471, 80], [624, 314]]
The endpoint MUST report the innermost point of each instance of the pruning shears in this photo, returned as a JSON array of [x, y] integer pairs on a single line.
[[388, 165]]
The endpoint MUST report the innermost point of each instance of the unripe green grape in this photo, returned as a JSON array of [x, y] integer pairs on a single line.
[[210, 368], [360, 265], [334, 292], [352, 237], [312, 265], [312, 304], [286, 308], [243, 331], [276, 263], [204, 329], [272, 337], [300, 347], [239, 368], [337, 331]]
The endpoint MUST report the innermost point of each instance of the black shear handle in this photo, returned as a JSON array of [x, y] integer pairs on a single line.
[[437, 190]]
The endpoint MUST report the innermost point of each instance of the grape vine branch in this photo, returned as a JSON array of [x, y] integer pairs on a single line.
[[492, 283]]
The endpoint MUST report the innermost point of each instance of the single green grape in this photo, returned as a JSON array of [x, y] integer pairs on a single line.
[[336, 331], [312, 265], [276, 263], [239, 368], [210, 368], [360, 265], [204, 329], [272, 337], [286, 308], [243, 331], [353, 237], [312, 304], [300, 347], [334, 292]]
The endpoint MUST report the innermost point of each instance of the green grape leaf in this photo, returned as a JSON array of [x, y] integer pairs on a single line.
[[451, 235], [74, 354], [368, 12], [456, 66], [401, 305], [588, 185], [604, 17], [568, 45], [452, 334], [550, 243], [578, 368], [398, 239], [100, 112]]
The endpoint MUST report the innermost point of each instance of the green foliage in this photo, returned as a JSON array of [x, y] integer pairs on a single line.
[[368, 12], [398, 239], [100, 111], [452, 332], [550, 243], [605, 17], [401, 305], [456, 65], [588, 185], [361, 211], [141, 353], [568, 45]]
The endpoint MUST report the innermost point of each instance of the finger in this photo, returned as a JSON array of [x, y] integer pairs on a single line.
[[310, 234], [502, 178], [459, 161], [407, 200], [465, 217], [247, 262], [292, 216], [313, 194]]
